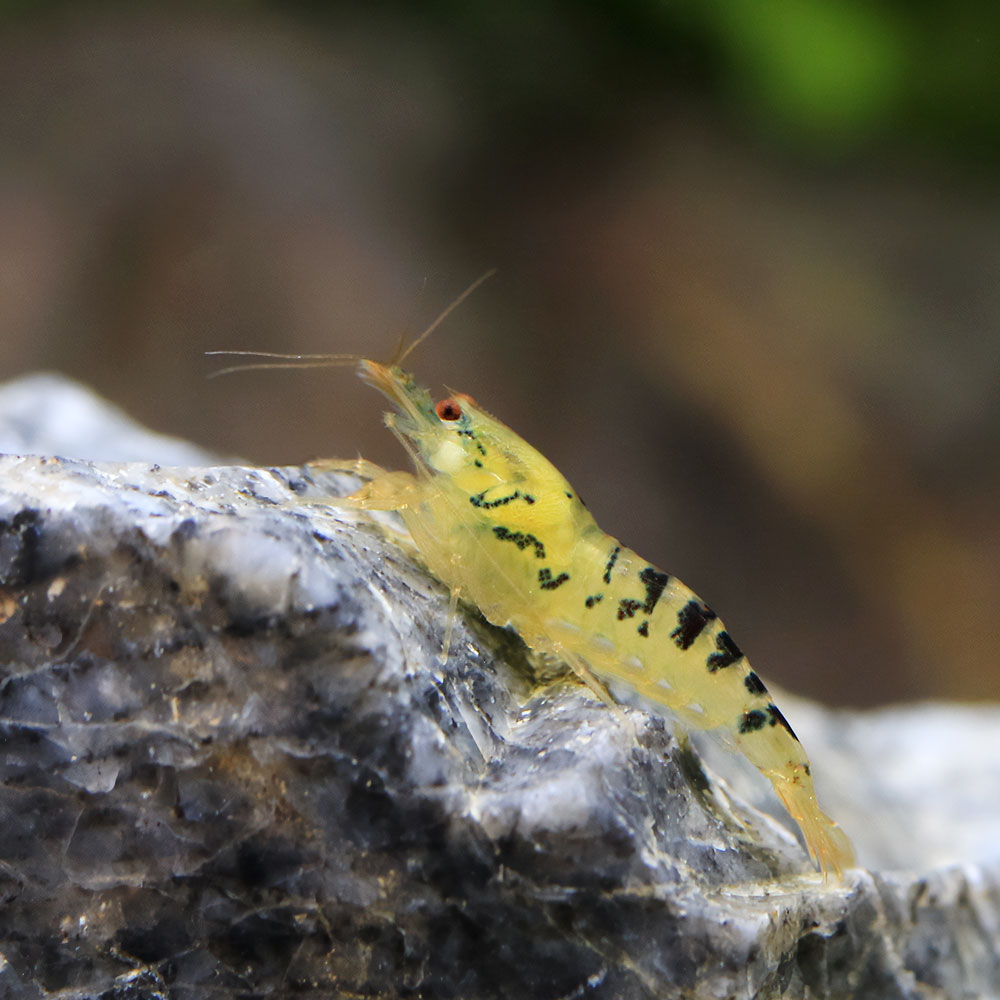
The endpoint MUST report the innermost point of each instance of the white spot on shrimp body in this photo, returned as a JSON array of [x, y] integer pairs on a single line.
[[571, 628], [602, 643], [448, 457]]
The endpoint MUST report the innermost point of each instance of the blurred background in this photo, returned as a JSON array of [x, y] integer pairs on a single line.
[[748, 289]]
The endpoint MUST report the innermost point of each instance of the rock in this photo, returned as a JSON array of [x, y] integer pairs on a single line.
[[52, 415], [234, 765]]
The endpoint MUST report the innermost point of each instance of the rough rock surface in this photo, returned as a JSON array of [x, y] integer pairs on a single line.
[[234, 765]]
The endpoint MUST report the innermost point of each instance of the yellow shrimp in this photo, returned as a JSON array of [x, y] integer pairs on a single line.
[[499, 524]]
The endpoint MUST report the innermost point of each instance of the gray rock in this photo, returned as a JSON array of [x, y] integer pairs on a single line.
[[234, 765], [48, 414]]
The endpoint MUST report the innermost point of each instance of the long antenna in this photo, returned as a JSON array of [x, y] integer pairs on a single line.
[[335, 360], [441, 318], [290, 361]]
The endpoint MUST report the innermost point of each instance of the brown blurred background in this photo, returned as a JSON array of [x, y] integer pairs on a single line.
[[749, 272]]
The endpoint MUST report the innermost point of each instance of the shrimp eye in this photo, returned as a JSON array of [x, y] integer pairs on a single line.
[[448, 409]]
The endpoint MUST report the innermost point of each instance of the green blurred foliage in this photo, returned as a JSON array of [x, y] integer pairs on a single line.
[[820, 75], [830, 73]]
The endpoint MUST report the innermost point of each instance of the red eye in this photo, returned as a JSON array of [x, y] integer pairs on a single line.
[[448, 409]]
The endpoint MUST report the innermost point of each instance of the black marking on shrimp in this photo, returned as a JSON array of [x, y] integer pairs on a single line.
[[754, 684], [729, 653], [643, 629], [477, 463], [547, 581], [569, 496], [691, 621], [654, 582], [611, 563], [627, 608], [753, 720], [521, 539], [777, 719], [471, 434], [593, 599], [479, 499]]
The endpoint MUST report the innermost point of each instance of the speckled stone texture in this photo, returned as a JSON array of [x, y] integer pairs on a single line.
[[233, 765]]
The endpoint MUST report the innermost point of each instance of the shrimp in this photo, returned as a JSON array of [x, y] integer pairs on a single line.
[[498, 524]]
